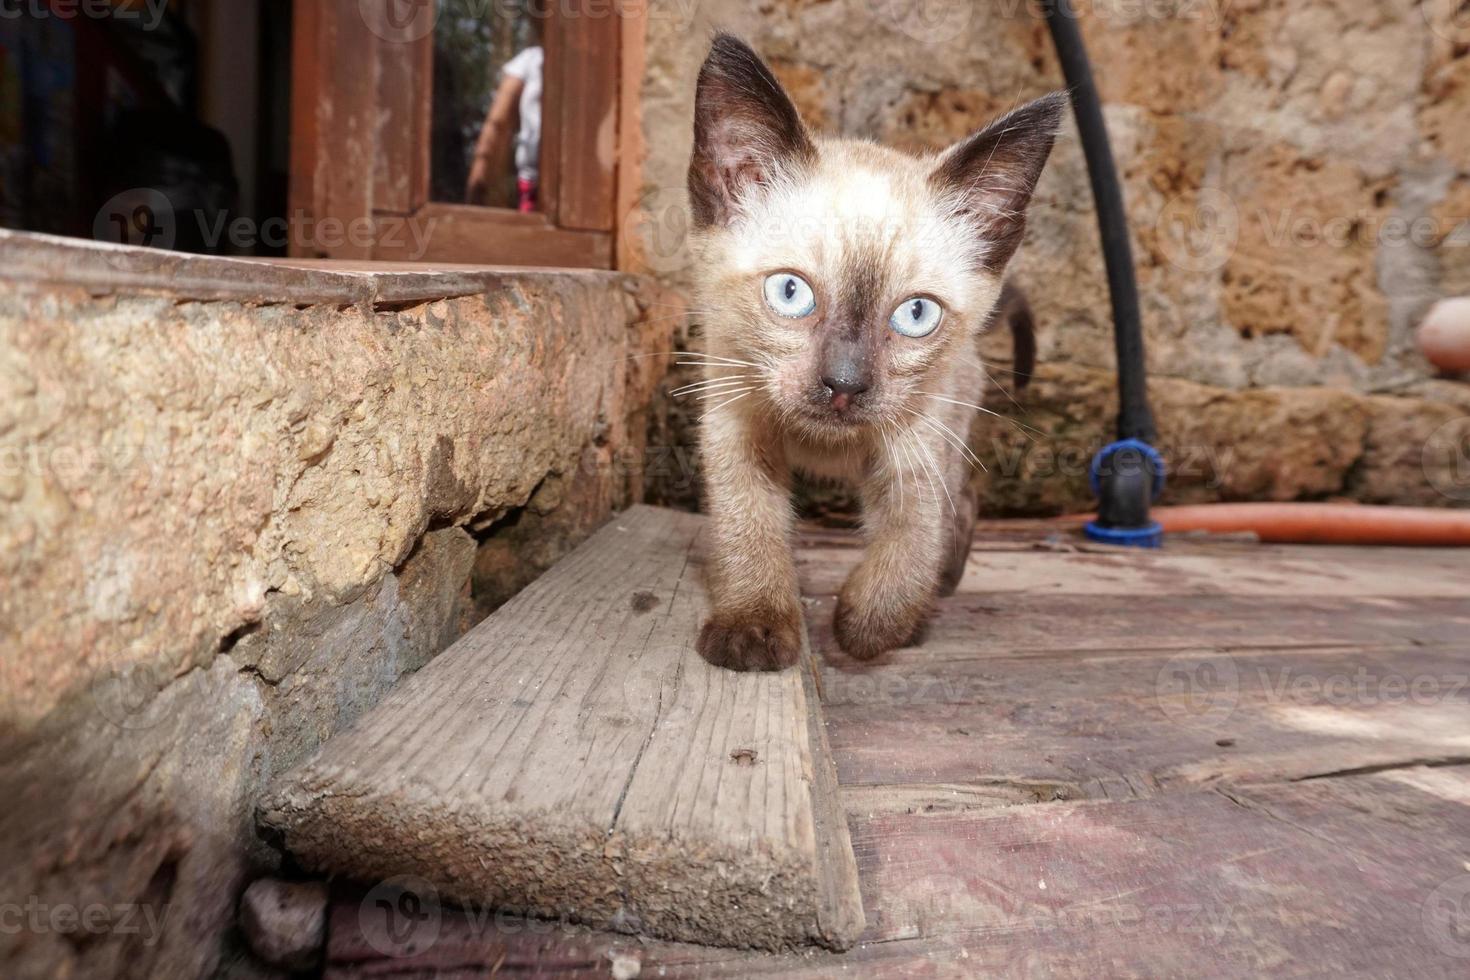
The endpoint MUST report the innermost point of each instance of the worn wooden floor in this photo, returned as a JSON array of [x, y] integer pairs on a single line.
[[1225, 759]]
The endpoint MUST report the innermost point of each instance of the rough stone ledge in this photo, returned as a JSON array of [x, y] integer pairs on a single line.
[[238, 500], [106, 268]]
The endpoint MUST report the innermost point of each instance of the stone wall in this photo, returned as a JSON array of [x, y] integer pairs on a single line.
[[1297, 175], [237, 502]]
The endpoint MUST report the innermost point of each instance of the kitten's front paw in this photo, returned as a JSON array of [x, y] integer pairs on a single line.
[[770, 642], [866, 629]]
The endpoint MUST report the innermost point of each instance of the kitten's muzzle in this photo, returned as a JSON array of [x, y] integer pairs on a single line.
[[842, 389], [845, 368]]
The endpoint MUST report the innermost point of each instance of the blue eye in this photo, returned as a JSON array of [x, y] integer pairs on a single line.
[[916, 317], [788, 295]]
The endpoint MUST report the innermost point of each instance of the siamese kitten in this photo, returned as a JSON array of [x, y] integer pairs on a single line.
[[843, 286]]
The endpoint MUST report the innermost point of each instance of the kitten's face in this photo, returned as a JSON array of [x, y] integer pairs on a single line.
[[853, 282], [851, 274]]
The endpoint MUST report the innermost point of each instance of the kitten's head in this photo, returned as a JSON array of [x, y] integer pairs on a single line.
[[853, 274]]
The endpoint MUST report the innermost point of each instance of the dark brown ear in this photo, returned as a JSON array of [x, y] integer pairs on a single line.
[[996, 170], [745, 131]]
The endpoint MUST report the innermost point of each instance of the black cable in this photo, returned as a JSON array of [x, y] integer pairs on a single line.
[[1135, 419]]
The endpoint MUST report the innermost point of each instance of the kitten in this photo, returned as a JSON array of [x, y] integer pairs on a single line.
[[843, 286]]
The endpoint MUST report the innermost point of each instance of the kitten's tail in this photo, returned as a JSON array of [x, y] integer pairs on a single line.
[[1016, 312]]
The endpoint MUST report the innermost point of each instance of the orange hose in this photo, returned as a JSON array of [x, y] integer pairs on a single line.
[[1325, 523]]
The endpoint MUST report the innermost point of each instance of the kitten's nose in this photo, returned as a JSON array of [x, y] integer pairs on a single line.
[[844, 389]]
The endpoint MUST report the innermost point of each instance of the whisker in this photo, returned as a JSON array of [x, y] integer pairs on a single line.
[[979, 408], [892, 459], [902, 438], [711, 383], [725, 403], [716, 358], [1011, 398], [953, 438], [709, 396], [935, 473]]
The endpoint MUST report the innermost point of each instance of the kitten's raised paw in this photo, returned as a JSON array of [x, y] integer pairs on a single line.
[[866, 633], [751, 644]]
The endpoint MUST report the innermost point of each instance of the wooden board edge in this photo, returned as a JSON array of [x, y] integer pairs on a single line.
[[840, 916], [320, 815]]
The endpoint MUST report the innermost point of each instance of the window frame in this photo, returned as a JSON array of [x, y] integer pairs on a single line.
[[360, 153]]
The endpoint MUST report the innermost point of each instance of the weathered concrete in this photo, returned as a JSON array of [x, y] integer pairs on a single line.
[[227, 527]]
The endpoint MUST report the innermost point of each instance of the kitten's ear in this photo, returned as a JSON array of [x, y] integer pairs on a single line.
[[994, 172], [745, 130]]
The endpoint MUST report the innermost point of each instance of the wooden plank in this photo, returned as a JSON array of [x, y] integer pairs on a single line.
[[463, 234], [1014, 624], [572, 756], [1189, 884], [587, 107], [405, 117], [334, 129], [841, 913], [1107, 724], [1401, 572], [366, 939], [1333, 876]]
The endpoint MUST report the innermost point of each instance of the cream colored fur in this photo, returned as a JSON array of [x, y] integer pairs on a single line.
[[857, 203]]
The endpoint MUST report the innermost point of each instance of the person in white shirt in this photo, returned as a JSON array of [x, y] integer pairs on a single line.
[[516, 108]]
